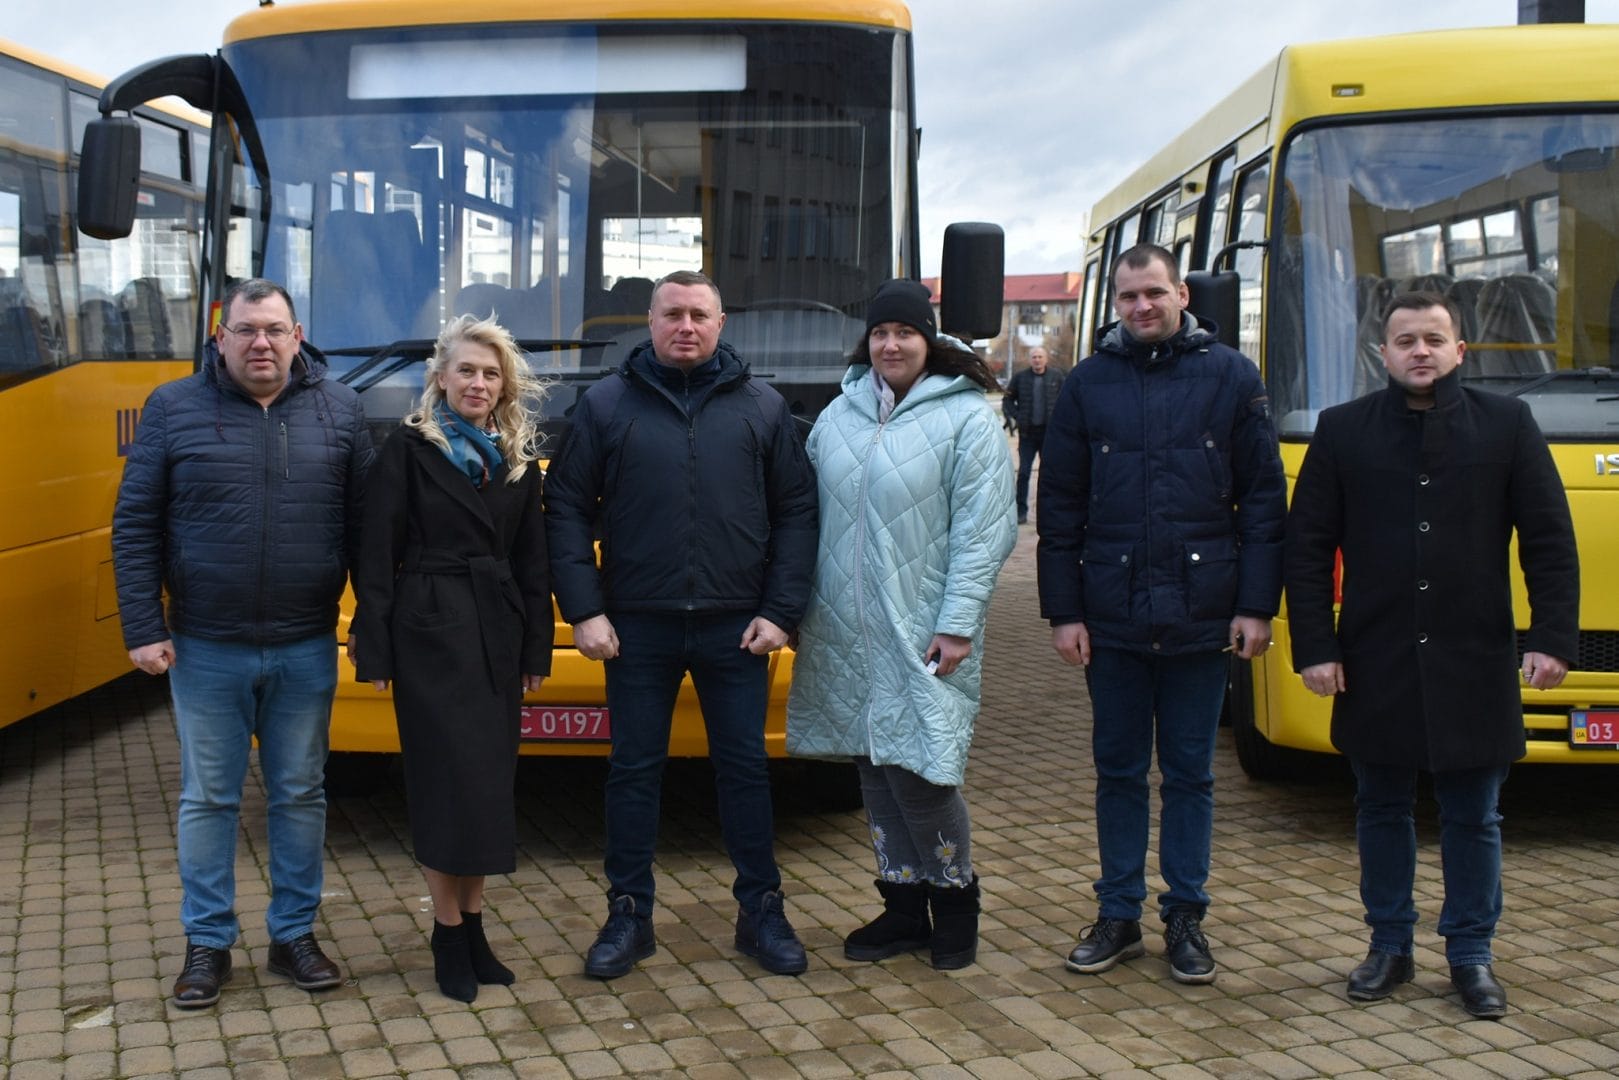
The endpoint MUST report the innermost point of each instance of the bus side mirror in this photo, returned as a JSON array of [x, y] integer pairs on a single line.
[[1213, 299], [972, 280], [109, 177]]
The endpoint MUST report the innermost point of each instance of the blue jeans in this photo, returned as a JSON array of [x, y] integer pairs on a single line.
[[226, 694], [1029, 441], [1469, 846], [656, 650], [1138, 699]]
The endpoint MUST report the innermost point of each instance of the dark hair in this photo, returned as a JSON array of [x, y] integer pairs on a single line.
[[1142, 255], [252, 291], [946, 356], [1422, 301], [688, 277]]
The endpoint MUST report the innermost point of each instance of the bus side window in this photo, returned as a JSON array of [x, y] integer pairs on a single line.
[[1252, 199], [1217, 214]]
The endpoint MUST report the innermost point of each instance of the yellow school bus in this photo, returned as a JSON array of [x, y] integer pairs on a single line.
[[87, 329], [1478, 163], [394, 165]]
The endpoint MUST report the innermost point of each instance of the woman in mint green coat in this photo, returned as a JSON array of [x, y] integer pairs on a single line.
[[917, 518]]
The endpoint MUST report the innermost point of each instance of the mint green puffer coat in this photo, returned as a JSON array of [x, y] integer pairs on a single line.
[[916, 519]]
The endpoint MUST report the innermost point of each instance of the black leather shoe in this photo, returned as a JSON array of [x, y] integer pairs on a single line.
[[1482, 996], [1378, 975], [623, 939], [204, 972], [302, 961], [1104, 944], [1186, 949], [767, 936]]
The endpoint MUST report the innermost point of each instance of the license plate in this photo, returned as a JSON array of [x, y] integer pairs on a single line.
[[552, 723], [1594, 729]]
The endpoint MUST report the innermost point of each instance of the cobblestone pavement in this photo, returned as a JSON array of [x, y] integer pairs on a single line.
[[89, 936]]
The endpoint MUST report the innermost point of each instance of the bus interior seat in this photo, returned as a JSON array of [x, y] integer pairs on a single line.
[[631, 296], [1435, 283], [366, 290], [1464, 294], [405, 252], [103, 331], [23, 344], [1372, 294], [144, 306], [1517, 309]]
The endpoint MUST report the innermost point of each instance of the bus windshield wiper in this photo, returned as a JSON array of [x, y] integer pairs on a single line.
[[1592, 374], [408, 351]]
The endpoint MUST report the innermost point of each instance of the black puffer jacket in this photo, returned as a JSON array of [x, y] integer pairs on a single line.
[[703, 495], [249, 516]]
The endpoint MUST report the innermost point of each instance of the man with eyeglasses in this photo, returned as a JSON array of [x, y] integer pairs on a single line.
[[241, 497]]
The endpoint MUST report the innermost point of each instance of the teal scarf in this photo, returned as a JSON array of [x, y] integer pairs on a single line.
[[472, 451]]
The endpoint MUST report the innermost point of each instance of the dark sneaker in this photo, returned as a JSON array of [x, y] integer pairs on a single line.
[[1104, 944], [302, 961], [768, 937], [624, 939], [205, 971], [1186, 949]]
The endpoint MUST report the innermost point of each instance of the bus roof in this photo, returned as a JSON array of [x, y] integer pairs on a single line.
[[361, 14], [1436, 69], [171, 106]]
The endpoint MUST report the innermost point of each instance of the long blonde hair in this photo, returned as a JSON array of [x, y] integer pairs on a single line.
[[516, 413]]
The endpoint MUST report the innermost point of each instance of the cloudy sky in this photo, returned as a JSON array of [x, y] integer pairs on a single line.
[[1030, 109]]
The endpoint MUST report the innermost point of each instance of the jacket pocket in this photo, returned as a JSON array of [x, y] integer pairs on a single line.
[[1211, 578], [1108, 573]]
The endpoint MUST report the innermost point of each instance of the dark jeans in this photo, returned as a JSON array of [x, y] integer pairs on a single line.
[[1469, 846], [1029, 441], [655, 652], [1138, 700]]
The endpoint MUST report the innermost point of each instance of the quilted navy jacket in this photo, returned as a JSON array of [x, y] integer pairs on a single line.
[[1162, 498], [249, 516], [916, 520]]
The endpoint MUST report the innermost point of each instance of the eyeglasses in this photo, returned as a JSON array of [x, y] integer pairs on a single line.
[[275, 335]]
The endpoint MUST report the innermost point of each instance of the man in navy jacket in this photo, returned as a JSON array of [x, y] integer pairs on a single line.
[[1161, 512], [692, 475], [241, 498]]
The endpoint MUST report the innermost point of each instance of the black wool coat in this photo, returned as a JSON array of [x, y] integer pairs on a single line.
[[454, 606], [1423, 505]]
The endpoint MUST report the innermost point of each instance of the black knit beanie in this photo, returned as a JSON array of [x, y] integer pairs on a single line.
[[903, 301]]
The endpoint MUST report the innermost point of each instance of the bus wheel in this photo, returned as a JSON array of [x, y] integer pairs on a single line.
[[356, 775], [1260, 758]]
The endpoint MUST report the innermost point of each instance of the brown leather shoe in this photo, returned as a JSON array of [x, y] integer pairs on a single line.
[[302, 961], [205, 971]]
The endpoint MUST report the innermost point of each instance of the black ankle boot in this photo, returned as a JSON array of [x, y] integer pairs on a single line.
[[484, 965], [955, 925], [452, 962], [902, 927]]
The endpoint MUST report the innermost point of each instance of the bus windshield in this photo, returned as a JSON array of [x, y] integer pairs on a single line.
[[1512, 217], [549, 175]]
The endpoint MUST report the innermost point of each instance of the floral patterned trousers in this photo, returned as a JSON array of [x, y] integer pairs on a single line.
[[920, 831]]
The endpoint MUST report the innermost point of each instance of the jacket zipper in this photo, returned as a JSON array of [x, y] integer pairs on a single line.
[[860, 583], [264, 518]]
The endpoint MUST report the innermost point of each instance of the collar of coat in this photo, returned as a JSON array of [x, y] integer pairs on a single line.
[[1447, 393], [858, 388], [1192, 335]]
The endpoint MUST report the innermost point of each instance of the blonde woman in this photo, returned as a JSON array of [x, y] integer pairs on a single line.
[[454, 608]]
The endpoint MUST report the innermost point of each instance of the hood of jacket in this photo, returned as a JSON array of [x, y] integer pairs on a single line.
[[861, 391], [1193, 334], [309, 367], [643, 360]]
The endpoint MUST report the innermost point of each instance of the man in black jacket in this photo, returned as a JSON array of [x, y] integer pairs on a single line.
[[241, 497], [1421, 486], [1029, 401], [692, 474]]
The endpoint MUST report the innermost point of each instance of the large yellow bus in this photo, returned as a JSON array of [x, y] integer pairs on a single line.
[[395, 164], [1480, 163], [87, 328]]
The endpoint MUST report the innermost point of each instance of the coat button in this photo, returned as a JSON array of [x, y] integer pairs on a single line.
[[1209, 443], [1156, 646], [1423, 479], [1422, 586], [1106, 448], [1124, 558], [1196, 557], [1422, 526], [1422, 639]]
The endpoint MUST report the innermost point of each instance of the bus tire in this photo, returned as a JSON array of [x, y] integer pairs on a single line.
[[1260, 758]]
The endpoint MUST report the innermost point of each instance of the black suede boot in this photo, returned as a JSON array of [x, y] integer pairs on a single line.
[[902, 927], [452, 962], [484, 965], [955, 925]]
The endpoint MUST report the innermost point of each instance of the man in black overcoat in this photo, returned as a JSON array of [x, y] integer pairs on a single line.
[[1421, 486]]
